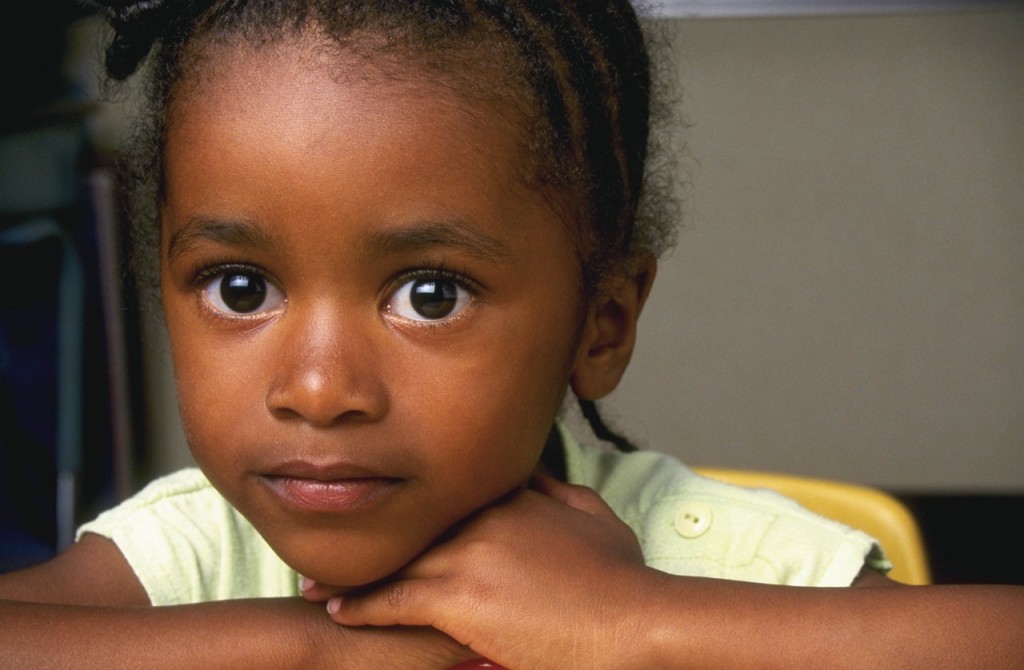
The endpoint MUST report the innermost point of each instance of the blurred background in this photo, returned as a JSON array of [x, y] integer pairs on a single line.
[[69, 365], [846, 299]]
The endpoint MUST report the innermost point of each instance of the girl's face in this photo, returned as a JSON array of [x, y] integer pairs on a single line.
[[373, 323]]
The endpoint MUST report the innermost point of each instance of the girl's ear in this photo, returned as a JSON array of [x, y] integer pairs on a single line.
[[609, 331]]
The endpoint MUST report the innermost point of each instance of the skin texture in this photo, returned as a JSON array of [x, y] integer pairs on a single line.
[[349, 428], [387, 457]]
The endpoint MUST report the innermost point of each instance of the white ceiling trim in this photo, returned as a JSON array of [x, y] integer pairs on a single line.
[[753, 8]]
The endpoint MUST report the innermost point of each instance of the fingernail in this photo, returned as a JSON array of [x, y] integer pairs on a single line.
[[333, 605], [305, 583]]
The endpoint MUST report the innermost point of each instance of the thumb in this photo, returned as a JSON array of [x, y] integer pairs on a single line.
[[578, 497]]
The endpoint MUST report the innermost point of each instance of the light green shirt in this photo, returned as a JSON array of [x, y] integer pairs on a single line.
[[186, 544]]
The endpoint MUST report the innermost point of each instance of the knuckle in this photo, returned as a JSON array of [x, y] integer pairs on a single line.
[[479, 552], [396, 596]]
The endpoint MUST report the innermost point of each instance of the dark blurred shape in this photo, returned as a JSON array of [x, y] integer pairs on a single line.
[[57, 456]]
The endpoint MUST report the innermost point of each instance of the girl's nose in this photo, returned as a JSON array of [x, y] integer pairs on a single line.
[[327, 372]]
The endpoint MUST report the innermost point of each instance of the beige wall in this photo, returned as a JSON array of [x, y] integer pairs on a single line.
[[847, 298]]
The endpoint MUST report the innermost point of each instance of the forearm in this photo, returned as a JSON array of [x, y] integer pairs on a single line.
[[272, 633], [695, 623]]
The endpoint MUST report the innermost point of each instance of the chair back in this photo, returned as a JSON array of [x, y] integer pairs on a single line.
[[871, 510]]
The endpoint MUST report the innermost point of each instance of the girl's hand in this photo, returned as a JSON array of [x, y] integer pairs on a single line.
[[543, 579]]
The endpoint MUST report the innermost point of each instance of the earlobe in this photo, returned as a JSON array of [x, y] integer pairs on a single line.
[[609, 333]]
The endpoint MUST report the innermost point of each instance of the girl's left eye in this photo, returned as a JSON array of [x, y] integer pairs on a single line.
[[242, 291], [429, 298]]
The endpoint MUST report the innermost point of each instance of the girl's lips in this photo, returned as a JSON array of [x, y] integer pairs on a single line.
[[329, 496]]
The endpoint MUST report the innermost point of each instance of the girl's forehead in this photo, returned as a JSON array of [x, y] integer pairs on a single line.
[[418, 149], [308, 75], [469, 74]]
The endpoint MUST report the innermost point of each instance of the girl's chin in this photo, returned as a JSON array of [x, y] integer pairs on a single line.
[[348, 575], [344, 583]]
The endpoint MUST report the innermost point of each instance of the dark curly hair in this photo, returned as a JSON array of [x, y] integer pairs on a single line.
[[576, 73]]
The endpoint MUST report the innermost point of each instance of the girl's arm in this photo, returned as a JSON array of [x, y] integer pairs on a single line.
[[556, 582], [85, 609], [739, 625]]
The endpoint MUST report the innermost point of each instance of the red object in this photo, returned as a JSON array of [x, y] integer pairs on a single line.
[[475, 664]]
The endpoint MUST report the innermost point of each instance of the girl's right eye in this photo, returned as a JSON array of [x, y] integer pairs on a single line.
[[240, 291]]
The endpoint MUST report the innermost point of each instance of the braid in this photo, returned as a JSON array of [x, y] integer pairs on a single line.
[[598, 114], [601, 430], [137, 25], [588, 66]]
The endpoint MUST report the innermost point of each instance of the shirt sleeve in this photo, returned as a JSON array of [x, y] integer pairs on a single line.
[[187, 544], [695, 526]]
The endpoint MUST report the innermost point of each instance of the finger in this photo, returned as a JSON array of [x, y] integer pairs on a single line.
[[316, 592], [399, 603]]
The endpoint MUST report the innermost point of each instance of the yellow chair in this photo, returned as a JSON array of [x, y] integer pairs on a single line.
[[873, 511]]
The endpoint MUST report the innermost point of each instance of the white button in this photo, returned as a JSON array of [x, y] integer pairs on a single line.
[[693, 519]]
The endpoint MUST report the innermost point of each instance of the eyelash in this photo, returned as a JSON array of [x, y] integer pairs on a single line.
[[203, 274], [397, 292], [435, 271]]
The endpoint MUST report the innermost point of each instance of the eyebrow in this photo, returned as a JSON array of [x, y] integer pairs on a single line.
[[455, 235], [230, 232], [448, 234]]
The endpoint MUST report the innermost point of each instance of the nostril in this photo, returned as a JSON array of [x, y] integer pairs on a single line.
[[327, 367], [324, 399]]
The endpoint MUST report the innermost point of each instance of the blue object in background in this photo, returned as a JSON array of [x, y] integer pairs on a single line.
[[43, 294], [57, 453]]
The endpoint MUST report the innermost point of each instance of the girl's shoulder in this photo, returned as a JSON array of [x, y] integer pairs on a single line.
[[186, 543], [691, 525], [172, 494]]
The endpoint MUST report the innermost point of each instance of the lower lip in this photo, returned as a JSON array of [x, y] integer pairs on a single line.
[[336, 496]]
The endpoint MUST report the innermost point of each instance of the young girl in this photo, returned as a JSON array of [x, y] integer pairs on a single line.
[[392, 235]]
